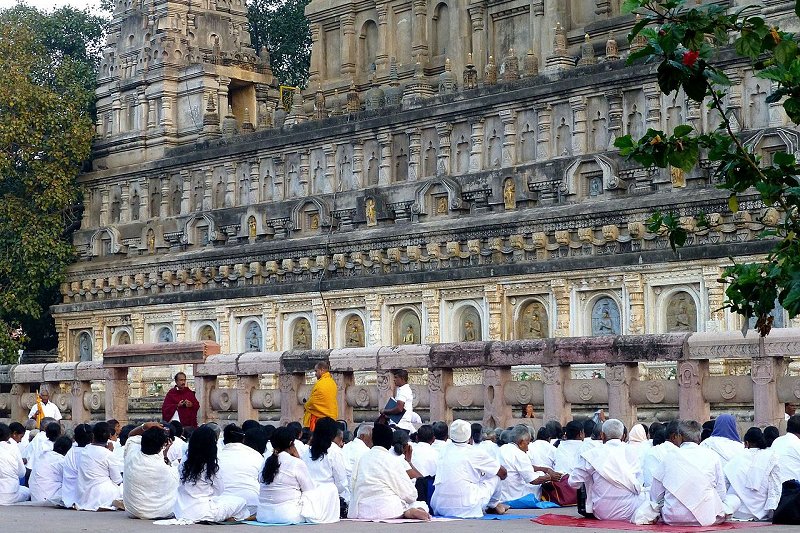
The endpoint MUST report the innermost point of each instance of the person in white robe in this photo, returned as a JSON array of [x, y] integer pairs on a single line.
[[541, 451], [426, 458], [325, 462], [724, 439], [48, 474], [69, 482], [41, 442], [200, 496], [754, 477], [11, 470], [787, 450], [99, 479], [151, 484], [380, 490], [691, 483], [49, 409], [440, 432], [488, 443], [404, 401], [353, 450], [655, 454], [612, 481], [467, 478], [239, 467], [569, 450], [522, 477], [19, 436]]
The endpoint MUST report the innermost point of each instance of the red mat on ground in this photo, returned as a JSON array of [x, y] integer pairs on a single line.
[[551, 519]]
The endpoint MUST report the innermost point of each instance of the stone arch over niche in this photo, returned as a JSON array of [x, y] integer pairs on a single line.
[[532, 320], [367, 47], [467, 323], [200, 229], [105, 242], [252, 336], [589, 177], [766, 142], [680, 312], [164, 334], [83, 346], [206, 332], [407, 327], [427, 196], [353, 332], [310, 215], [122, 336], [440, 30], [605, 318]]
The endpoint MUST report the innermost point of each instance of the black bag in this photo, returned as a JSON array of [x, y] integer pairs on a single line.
[[343, 508], [582, 502], [788, 511]]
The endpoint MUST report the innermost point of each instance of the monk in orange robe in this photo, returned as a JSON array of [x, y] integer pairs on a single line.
[[322, 400]]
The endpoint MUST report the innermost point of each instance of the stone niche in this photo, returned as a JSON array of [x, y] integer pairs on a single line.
[[407, 327], [681, 313], [532, 322], [605, 317]]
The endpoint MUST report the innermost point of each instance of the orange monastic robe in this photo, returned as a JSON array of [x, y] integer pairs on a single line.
[[322, 401]]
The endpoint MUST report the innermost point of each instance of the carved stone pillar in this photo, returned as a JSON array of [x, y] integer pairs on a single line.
[[509, 119], [317, 55], [769, 411], [614, 117], [735, 99], [358, 163], [556, 406], [116, 114], [479, 48], [561, 290], [254, 195], [19, 412], [245, 385], [439, 379], [494, 297], [104, 205], [204, 386], [144, 195], [578, 105], [385, 387], [443, 129], [223, 319], [270, 316], [716, 297], [419, 39], [165, 207], [653, 99], [414, 154], [167, 121], [144, 108], [692, 405], [321, 314], [291, 409], [374, 305], [80, 413], [347, 21], [278, 180], [222, 94], [186, 195], [544, 117], [496, 412], [385, 169], [777, 116], [331, 179], [125, 203], [344, 380], [476, 155], [117, 394], [305, 166], [431, 299], [635, 289], [382, 56], [619, 378]]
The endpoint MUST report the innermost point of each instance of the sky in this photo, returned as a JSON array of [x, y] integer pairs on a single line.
[[47, 5]]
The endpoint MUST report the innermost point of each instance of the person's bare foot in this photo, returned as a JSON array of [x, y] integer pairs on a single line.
[[417, 514], [500, 508]]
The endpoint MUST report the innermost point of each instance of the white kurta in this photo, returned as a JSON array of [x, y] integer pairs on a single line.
[[37, 446], [11, 470], [292, 498], [380, 490], [520, 474], [330, 476], [466, 482], [49, 409], [176, 451], [352, 452], [151, 485], [424, 458], [46, 477], [406, 395], [99, 480], [204, 502], [692, 486], [567, 455], [613, 482], [754, 477], [239, 468], [439, 445], [69, 484], [787, 449], [726, 449], [491, 448], [542, 453], [653, 457]]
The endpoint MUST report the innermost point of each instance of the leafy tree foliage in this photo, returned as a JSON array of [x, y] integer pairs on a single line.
[[47, 80], [281, 26], [688, 42]]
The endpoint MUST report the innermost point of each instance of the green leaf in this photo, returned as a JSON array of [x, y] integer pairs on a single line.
[[682, 131], [783, 159], [637, 28], [749, 44], [733, 203], [792, 108], [785, 51], [797, 7], [669, 77], [628, 6], [695, 87]]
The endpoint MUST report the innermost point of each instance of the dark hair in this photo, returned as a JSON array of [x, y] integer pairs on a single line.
[[153, 441], [554, 429], [755, 437], [249, 424], [399, 441], [658, 432], [655, 426], [282, 439], [588, 427], [440, 430], [305, 435], [672, 428], [256, 438], [402, 374], [770, 434], [124, 432], [232, 433], [101, 432], [268, 430], [793, 424], [324, 433], [177, 428], [179, 374], [82, 434], [5, 432], [16, 428], [542, 434], [201, 456], [323, 365], [382, 435], [573, 429], [708, 429], [598, 429], [297, 429], [425, 433], [475, 430], [62, 445], [53, 431], [112, 426]]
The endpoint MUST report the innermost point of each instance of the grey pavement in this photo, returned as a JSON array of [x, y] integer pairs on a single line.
[[31, 518]]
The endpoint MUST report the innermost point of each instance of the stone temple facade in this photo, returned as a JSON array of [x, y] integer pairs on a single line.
[[448, 175]]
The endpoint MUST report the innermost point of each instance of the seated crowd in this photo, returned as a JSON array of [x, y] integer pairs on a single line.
[[671, 473]]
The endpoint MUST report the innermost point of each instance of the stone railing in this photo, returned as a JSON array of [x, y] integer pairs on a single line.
[[83, 388]]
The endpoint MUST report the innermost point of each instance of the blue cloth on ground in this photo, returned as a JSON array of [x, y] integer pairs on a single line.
[[530, 502]]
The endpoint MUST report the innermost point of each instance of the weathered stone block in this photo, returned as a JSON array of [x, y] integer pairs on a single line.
[[723, 344], [581, 350], [353, 359], [405, 356], [459, 354], [6, 373], [28, 373], [60, 371], [253, 363], [217, 365], [521, 352], [90, 370], [163, 353], [634, 348], [302, 360]]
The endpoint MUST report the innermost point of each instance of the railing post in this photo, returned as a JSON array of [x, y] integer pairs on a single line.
[[619, 378], [692, 404], [556, 406], [245, 385], [117, 394], [439, 379], [768, 409], [344, 380], [19, 412], [80, 413], [204, 386], [291, 409], [496, 413], [385, 387]]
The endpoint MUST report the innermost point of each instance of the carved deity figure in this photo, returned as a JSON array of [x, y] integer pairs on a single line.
[[314, 221], [301, 337], [207, 334], [354, 335], [165, 335], [409, 337], [251, 227], [176, 200], [253, 337], [509, 194], [533, 323], [605, 317], [151, 241], [124, 338], [369, 211], [219, 194], [469, 331], [135, 204], [441, 205], [85, 347], [681, 313]]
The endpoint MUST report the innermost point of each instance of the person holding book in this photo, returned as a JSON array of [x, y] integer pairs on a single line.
[[401, 413]]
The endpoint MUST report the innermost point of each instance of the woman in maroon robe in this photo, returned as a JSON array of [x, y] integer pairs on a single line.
[[181, 400]]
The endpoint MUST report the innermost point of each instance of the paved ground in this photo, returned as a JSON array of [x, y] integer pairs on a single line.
[[35, 519]]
